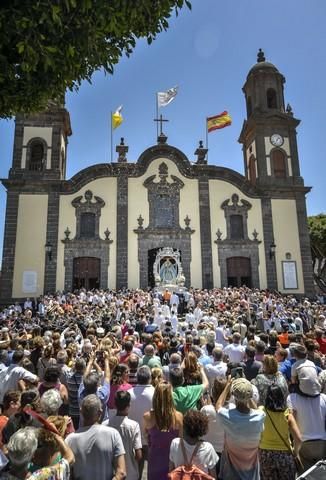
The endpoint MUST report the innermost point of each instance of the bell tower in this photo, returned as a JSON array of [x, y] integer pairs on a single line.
[[40, 144], [268, 134]]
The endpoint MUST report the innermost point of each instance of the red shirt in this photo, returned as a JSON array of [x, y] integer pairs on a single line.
[[3, 423], [322, 345]]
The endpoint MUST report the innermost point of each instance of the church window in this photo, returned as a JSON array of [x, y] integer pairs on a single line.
[[236, 227], [87, 225], [271, 98], [278, 164], [36, 156], [252, 169]]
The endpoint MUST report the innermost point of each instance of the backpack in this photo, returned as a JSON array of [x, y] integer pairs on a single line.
[[189, 471]]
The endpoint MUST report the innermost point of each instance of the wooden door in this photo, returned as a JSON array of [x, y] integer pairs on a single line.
[[86, 273], [238, 271]]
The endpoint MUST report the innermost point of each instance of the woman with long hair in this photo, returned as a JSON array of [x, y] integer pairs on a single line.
[[191, 370], [161, 424], [119, 381], [157, 376], [276, 453], [269, 376], [46, 360]]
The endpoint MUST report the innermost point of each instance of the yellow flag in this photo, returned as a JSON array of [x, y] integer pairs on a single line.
[[117, 118]]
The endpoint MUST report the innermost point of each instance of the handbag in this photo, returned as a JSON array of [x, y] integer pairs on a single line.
[[298, 464]]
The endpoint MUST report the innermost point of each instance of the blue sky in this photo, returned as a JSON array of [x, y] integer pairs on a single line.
[[207, 52]]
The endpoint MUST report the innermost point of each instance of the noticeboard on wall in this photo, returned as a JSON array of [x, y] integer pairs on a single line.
[[29, 281], [290, 277]]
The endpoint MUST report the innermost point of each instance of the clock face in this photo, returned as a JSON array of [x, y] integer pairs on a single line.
[[277, 140]]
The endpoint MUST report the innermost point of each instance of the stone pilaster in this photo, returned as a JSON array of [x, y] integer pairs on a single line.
[[122, 230], [205, 232], [9, 246], [50, 272], [305, 247], [268, 233]]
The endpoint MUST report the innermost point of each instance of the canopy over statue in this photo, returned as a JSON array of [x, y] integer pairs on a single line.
[[167, 269]]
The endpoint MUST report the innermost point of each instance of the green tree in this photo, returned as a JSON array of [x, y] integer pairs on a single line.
[[48, 46], [317, 230]]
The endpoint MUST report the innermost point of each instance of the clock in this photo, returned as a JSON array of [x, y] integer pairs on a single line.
[[277, 140]]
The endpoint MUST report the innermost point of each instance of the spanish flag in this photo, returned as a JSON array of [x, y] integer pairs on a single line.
[[117, 118], [218, 121]]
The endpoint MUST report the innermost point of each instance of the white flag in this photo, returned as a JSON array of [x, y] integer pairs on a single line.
[[164, 98]]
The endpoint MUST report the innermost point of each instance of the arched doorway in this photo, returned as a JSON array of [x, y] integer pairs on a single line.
[[238, 271], [151, 259], [86, 273]]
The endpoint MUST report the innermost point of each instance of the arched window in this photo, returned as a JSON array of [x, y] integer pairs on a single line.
[[87, 225], [236, 227], [278, 164], [252, 169], [271, 98], [36, 156], [249, 107]]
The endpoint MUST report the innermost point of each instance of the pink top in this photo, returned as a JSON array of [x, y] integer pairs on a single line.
[[113, 390]]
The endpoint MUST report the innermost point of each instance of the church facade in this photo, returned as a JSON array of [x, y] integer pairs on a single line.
[[104, 227]]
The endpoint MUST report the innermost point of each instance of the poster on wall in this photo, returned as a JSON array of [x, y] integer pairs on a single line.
[[290, 279], [29, 281]]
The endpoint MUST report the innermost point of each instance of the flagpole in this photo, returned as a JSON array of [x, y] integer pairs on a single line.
[[156, 115], [111, 139], [206, 138]]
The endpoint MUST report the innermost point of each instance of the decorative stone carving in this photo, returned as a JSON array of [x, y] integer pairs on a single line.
[[107, 234], [90, 246], [241, 246], [67, 233], [140, 221], [163, 228]]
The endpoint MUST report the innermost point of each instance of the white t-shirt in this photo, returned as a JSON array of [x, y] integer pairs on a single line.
[[130, 434], [95, 448], [10, 377], [235, 352], [141, 402], [215, 434], [215, 370], [310, 414], [206, 458]]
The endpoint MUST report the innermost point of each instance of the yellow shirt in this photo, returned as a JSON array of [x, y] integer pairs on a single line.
[[270, 439]]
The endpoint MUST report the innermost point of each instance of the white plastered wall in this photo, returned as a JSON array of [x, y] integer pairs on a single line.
[[220, 191], [30, 241], [138, 204], [286, 237], [106, 188], [37, 132]]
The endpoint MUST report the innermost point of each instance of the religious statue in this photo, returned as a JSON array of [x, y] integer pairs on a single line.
[[168, 272]]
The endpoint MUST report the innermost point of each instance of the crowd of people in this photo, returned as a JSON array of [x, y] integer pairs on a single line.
[[227, 384]]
